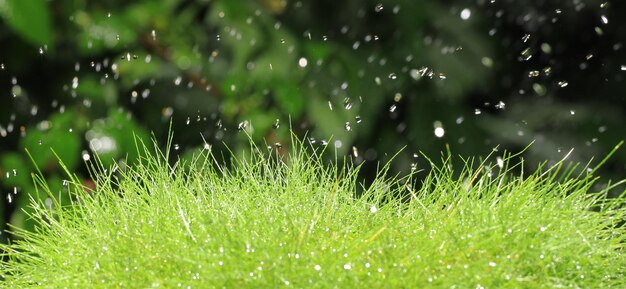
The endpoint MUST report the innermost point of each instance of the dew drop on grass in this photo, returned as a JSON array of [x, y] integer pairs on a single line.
[[317, 267], [500, 162], [373, 209]]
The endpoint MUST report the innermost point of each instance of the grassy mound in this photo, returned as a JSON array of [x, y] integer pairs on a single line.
[[270, 223]]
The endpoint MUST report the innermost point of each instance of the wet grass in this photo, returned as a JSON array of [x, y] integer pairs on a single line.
[[268, 223]]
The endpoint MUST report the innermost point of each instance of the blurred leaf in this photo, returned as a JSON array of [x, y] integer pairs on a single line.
[[30, 19], [62, 138], [290, 98]]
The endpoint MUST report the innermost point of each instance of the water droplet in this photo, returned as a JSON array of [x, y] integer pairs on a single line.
[[278, 145], [347, 266], [500, 162], [604, 19], [392, 76], [526, 54], [526, 37], [176, 147], [533, 73], [330, 105], [276, 125], [379, 7], [500, 105], [563, 83], [392, 108], [347, 126], [477, 111], [355, 152], [466, 14], [373, 209], [358, 119], [302, 62], [85, 156], [623, 68], [317, 267], [492, 264], [439, 131], [242, 125], [153, 34], [177, 80]]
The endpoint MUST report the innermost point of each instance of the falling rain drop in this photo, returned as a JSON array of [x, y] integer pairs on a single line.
[[302, 62], [392, 108], [563, 83], [379, 7], [355, 152], [347, 126], [604, 19], [466, 14], [439, 131]]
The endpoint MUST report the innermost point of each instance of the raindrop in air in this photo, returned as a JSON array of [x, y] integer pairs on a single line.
[[439, 131], [379, 7], [302, 62], [466, 14]]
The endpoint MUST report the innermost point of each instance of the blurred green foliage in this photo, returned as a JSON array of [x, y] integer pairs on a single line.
[[80, 77]]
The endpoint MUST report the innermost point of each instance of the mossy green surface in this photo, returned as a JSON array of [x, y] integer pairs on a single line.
[[293, 222]]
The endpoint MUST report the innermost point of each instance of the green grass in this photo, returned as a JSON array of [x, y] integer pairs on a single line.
[[297, 223]]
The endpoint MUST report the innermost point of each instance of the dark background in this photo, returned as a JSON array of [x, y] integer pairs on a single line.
[[84, 77]]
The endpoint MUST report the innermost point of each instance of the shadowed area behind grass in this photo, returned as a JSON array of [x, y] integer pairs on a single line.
[[266, 222]]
